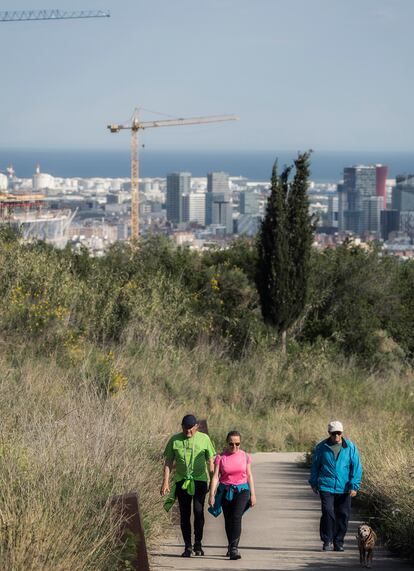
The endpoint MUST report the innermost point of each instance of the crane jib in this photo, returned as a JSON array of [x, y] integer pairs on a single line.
[[26, 15]]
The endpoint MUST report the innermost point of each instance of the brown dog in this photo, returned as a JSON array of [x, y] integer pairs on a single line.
[[366, 537]]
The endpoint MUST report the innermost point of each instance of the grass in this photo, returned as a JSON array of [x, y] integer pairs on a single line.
[[389, 491], [67, 445], [64, 452]]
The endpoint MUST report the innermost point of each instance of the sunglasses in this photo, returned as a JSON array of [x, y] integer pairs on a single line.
[[336, 433], [234, 443]]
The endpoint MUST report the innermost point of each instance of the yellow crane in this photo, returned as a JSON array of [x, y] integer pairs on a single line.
[[136, 125]]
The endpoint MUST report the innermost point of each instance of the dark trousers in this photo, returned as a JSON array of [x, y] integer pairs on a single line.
[[336, 509], [184, 501], [233, 512]]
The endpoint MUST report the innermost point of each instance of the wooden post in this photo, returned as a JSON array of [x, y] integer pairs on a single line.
[[203, 426], [127, 507]]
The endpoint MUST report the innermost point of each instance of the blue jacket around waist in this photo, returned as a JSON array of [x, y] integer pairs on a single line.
[[227, 491], [336, 476]]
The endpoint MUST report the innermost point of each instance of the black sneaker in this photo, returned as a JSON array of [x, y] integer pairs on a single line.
[[327, 547], [187, 552], [198, 550], [338, 547], [234, 554]]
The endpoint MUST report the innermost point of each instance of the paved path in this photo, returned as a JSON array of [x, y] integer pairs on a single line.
[[280, 533]]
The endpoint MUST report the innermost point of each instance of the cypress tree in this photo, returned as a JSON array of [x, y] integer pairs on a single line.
[[301, 233], [272, 275], [284, 247]]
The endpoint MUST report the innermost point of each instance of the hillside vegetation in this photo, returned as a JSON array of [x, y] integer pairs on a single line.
[[100, 358]]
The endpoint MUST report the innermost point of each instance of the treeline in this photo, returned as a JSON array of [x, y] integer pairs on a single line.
[[360, 300]]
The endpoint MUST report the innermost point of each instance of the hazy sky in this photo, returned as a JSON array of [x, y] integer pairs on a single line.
[[325, 74]]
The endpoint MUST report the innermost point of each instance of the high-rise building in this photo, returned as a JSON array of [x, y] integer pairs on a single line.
[[342, 206], [359, 182], [333, 211], [185, 206], [371, 208], [390, 222], [382, 173], [194, 207], [218, 182], [178, 184], [357, 212], [208, 217], [219, 204], [403, 202], [222, 211], [249, 202], [403, 193]]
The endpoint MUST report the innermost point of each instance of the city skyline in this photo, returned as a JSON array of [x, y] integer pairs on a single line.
[[197, 211], [300, 73]]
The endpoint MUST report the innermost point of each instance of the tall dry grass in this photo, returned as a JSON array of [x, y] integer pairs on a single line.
[[388, 491], [64, 452], [69, 442]]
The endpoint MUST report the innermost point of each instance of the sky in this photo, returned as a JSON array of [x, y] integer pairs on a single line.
[[321, 74]]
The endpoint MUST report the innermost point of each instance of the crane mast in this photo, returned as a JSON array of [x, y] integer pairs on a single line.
[[137, 125], [26, 15], [134, 183]]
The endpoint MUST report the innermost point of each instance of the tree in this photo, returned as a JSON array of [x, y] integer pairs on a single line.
[[284, 247], [301, 232], [358, 296]]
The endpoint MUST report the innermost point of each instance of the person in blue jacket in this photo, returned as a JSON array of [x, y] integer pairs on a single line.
[[336, 474]]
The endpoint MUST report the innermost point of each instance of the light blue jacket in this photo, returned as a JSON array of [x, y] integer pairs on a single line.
[[336, 476]]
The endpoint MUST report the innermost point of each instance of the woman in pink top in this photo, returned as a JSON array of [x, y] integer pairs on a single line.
[[232, 490]]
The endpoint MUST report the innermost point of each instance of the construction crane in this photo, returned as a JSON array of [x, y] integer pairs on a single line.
[[137, 125], [25, 15]]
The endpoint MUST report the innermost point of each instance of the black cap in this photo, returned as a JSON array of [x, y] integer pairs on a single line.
[[189, 421]]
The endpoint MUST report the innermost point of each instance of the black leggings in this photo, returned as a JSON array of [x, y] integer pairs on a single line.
[[233, 512], [184, 501]]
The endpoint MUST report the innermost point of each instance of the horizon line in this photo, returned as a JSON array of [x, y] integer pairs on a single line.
[[200, 150]]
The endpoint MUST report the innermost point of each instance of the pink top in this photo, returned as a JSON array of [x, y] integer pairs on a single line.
[[233, 467]]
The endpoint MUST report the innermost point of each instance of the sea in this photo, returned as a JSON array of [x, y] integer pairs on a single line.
[[326, 166]]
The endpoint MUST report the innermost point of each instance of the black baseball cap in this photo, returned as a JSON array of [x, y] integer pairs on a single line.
[[189, 421]]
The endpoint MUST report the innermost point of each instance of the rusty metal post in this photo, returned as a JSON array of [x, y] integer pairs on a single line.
[[203, 426], [127, 507]]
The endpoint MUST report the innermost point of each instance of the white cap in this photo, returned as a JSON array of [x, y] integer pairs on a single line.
[[335, 426]]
